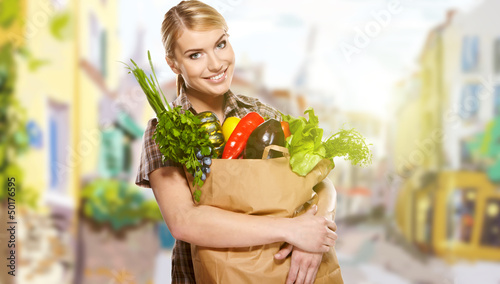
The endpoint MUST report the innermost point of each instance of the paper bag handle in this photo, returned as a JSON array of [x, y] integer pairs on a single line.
[[275, 148]]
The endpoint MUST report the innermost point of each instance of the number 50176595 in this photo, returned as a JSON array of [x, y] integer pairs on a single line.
[[11, 183]]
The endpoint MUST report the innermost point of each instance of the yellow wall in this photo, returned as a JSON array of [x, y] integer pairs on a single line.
[[420, 125], [407, 130], [34, 88], [63, 80], [431, 100]]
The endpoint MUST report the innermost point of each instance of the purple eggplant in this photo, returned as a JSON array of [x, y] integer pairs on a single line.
[[267, 133]]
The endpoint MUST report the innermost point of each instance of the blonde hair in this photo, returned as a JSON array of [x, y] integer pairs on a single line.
[[193, 15]]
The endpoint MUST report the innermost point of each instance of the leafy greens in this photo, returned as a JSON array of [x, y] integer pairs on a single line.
[[307, 148]]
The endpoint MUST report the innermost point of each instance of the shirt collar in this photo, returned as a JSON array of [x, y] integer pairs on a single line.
[[183, 101], [231, 102]]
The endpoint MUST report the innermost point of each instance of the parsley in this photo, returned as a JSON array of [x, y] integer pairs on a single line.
[[178, 137], [177, 133]]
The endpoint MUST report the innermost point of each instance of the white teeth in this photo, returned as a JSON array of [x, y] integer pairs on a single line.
[[217, 77]]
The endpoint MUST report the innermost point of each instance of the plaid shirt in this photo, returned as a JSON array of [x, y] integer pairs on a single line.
[[151, 159]]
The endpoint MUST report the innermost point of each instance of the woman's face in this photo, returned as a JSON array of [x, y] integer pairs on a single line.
[[205, 59]]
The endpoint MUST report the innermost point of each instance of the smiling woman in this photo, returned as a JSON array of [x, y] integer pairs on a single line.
[[198, 51]]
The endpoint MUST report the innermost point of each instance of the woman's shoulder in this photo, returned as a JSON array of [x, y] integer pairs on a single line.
[[152, 122], [150, 127]]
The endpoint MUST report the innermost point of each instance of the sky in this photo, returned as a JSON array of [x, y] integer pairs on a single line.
[[359, 51]]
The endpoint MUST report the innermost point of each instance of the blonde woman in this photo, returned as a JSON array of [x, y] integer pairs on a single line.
[[198, 50]]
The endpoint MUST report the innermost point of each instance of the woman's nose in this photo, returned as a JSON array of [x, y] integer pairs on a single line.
[[214, 63]]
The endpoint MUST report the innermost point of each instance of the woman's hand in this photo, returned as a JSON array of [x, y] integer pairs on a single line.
[[312, 233], [304, 265]]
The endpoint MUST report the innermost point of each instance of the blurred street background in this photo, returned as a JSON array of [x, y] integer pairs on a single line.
[[419, 79]]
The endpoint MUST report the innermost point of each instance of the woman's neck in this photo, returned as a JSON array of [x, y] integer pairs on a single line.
[[203, 102]]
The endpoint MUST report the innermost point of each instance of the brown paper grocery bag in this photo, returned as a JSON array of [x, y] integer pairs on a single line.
[[258, 187]]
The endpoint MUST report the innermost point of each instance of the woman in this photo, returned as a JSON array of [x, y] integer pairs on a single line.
[[198, 51]]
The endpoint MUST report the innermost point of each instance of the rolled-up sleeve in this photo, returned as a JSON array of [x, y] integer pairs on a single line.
[[151, 157]]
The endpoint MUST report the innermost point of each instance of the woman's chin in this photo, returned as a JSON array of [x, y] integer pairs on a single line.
[[218, 90]]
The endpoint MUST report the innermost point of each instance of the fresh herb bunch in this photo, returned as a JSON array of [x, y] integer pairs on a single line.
[[179, 137], [307, 148], [177, 133]]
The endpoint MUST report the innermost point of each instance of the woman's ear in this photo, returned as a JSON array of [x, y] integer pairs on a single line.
[[172, 65]]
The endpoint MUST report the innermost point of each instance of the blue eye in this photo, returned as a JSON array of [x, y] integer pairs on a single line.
[[195, 55], [222, 44]]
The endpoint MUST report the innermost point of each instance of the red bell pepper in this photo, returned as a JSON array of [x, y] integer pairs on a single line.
[[238, 139]]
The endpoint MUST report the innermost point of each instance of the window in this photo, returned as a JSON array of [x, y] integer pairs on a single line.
[[429, 217], [35, 134], [491, 226], [461, 211], [469, 101], [496, 56], [465, 153], [424, 216], [58, 129], [53, 153], [470, 53], [93, 39], [112, 153], [103, 53], [98, 38]]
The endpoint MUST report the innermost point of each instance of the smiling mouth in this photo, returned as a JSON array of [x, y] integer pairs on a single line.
[[218, 77]]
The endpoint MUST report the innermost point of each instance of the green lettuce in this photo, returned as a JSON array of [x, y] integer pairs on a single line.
[[307, 148]]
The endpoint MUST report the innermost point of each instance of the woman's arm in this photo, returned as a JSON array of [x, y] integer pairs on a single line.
[[213, 227]]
